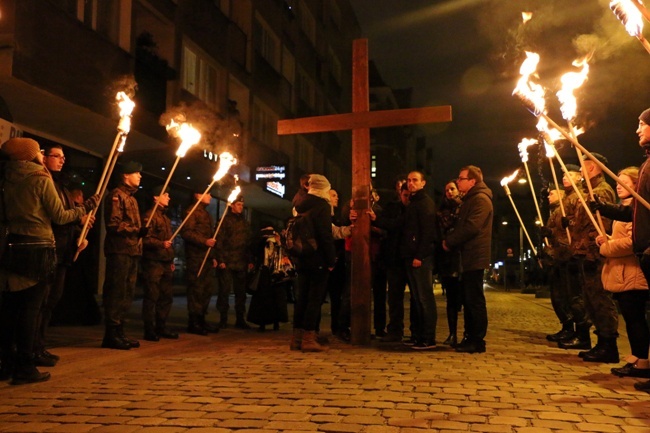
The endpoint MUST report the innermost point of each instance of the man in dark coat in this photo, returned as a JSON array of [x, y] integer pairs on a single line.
[[157, 270], [123, 249], [472, 236], [416, 249]]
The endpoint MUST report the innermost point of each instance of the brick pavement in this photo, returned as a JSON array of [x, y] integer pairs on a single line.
[[246, 381]]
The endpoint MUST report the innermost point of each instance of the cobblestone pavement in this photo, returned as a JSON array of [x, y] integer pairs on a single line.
[[247, 381]]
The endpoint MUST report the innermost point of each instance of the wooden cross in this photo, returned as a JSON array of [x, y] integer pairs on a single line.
[[360, 121]]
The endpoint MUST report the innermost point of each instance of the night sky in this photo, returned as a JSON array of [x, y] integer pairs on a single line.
[[467, 53]]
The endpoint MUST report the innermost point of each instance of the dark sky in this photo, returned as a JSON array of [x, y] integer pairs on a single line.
[[467, 53]]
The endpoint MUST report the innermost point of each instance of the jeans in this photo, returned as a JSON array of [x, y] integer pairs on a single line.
[[476, 320], [311, 287], [421, 286]]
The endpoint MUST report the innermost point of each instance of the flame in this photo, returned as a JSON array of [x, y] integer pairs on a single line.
[[550, 150], [126, 108], [234, 194], [506, 180], [226, 160], [531, 93], [570, 82], [526, 16], [549, 134], [629, 15], [523, 145], [122, 143], [189, 137]]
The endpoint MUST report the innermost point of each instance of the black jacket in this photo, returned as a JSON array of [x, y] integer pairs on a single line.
[[320, 212], [472, 233], [419, 230]]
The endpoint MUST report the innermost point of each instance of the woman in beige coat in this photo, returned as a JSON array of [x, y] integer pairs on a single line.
[[623, 277]]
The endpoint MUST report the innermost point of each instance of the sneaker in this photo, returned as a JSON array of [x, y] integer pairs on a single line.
[[410, 341], [424, 345]]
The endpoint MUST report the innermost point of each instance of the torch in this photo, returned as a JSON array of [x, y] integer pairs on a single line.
[[570, 82], [523, 152], [189, 137], [123, 128], [532, 96], [630, 16], [504, 183], [642, 9], [226, 160], [550, 153], [231, 198]]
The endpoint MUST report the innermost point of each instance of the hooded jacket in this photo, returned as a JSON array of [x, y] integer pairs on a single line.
[[320, 212], [472, 233]]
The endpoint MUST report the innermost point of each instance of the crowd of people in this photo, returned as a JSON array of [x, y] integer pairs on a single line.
[[597, 254]]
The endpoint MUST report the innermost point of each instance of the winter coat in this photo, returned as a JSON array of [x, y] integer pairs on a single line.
[[419, 229], [472, 233], [32, 203], [65, 235], [234, 242], [583, 232], [122, 219], [197, 229], [320, 212], [160, 230], [447, 262], [621, 271]]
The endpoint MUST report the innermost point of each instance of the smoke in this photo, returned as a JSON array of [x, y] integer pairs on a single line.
[[126, 84], [216, 131]]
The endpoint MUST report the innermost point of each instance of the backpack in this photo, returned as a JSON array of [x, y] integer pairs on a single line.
[[298, 237]]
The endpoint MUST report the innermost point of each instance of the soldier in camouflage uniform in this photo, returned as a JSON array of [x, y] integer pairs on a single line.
[[557, 257], [598, 302], [123, 249], [235, 257], [157, 270], [197, 234]]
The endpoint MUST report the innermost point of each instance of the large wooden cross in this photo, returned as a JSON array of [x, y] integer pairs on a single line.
[[360, 121]]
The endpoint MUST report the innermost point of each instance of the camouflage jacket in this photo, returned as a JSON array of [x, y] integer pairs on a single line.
[[160, 230], [583, 232], [234, 242], [122, 219], [197, 230]]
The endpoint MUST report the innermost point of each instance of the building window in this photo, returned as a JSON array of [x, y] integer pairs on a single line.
[[307, 22], [264, 124], [103, 16], [267, 43], [373, 166], [200, 76], [305, 88]]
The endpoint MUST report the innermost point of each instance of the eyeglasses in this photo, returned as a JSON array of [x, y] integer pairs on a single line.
[[462, 178], [61, 157]]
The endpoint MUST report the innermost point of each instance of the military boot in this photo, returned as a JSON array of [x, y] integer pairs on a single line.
[[25, 371], [296, 339], [607, 351], [209, 327], [164, 332], [112, 340], [150, 333], [120, 332], [581, 340], [7, 364], [566, 333], [194, 325]]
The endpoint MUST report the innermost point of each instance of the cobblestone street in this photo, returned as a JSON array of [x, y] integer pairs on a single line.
[[247, 381]]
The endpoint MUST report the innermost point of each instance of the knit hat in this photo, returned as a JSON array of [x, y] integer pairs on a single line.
[[645, 116], [131, 167], [21, 149], [573, 167], [598, 156], [319, 186]]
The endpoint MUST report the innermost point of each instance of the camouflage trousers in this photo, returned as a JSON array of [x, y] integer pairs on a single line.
[[560, 296], [158, 294], [199, 289], [575, 295], [119, 286], [598, 302]]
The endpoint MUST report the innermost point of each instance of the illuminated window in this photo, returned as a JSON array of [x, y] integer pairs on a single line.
[[200, 76]]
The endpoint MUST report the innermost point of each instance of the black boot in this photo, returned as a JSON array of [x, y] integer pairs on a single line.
[[164, 332], [566, 333], [194, 326], [607, 351], [150, 334], [213, 329], [241, 323], [223, 323], [120, 332], [581, 340], [112, 340], [451, 340], [26, 372], [7, 364]]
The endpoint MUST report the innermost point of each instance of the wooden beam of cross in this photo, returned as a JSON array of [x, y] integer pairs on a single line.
[[360, 121]]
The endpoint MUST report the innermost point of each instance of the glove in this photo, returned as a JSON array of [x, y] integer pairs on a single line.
[[565, 222], [143, 232], [546, 232], [596, 204], [91, 203]]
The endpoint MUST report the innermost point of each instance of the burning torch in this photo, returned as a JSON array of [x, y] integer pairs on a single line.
[[231, 198], [629, 13], [504, 183], [523, 152], [189, 137], [532, 96], [226, 160], [123, 128]]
